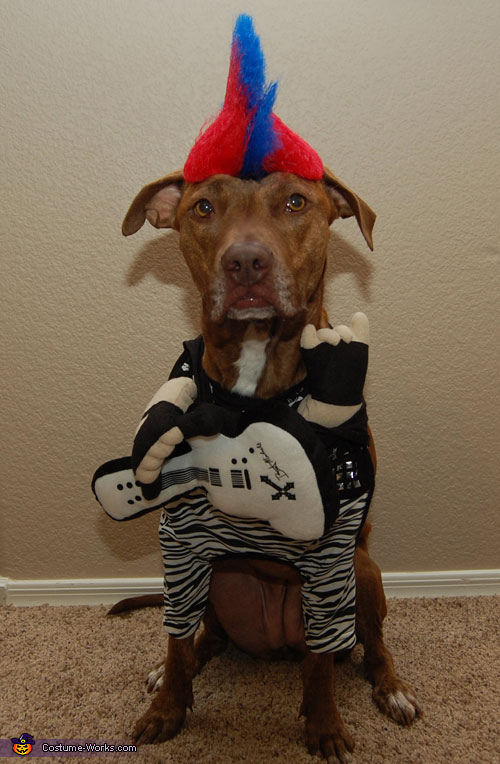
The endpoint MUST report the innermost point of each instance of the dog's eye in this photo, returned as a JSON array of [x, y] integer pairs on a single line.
[[203, 208], [296, 203]]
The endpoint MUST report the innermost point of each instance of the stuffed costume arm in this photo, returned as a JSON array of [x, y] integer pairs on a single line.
[[165, 424], [336, 361], [158, 432]]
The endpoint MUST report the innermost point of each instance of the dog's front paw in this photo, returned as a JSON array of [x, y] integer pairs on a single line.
[[398, 701], [158, 725], [329, 738], [155, 679]]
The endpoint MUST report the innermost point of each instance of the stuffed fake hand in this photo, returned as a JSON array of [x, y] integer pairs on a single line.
[[160, 431], [163, 428], [336, 361]]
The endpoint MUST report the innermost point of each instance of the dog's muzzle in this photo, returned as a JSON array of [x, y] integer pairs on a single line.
[[247, 267]]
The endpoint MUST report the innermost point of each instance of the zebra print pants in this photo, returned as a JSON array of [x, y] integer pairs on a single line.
[[193, 533]]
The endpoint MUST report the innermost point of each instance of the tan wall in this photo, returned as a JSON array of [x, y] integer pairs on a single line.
[[99, 97]]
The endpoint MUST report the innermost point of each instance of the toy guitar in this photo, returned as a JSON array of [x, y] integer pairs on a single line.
[[267, 466]]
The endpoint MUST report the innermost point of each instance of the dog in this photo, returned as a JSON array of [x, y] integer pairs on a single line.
[[276, 390], [256, 250]]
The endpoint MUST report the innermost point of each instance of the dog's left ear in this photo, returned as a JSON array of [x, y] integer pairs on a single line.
[[347, 204], [158, 202]]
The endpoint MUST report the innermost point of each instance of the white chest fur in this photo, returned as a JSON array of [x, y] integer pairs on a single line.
[[250, 365]]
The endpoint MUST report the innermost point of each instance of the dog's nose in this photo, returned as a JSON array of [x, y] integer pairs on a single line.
[[247, 262]]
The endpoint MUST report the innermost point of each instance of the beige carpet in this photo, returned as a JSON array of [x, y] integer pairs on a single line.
[[72, 673]]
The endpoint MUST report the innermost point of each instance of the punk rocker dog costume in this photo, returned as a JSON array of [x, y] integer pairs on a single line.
[[241, 476]]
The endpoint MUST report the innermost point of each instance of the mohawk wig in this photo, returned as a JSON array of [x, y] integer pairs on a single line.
[[247, 139]]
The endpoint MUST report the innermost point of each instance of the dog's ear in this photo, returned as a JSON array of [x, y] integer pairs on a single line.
[[347, 204], [158, 202]]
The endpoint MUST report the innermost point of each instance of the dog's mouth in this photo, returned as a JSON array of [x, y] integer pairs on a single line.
[[251, 304], [267, 298], [247, 302]]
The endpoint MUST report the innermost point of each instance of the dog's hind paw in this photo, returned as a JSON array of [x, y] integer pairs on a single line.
[[399, 702], [154, 682]]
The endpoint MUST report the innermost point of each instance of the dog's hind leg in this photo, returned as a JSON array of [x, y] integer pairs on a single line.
[[325, 731], [393, 696], [167, 712]]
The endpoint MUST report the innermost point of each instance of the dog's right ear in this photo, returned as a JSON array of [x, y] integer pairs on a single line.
[[158, 202]]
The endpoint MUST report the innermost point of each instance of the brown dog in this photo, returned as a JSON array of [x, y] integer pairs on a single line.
[[257, 253]]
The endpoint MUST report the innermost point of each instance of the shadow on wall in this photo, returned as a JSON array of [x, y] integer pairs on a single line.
[[131, 539], [162, 259], [344, 258]]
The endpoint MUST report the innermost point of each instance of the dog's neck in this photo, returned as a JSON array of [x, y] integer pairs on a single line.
[[259, 358]]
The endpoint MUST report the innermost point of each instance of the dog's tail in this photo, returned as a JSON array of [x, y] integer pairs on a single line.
[[136, 603]]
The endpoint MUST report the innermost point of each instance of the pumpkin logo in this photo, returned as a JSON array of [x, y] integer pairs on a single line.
[[23, 745]]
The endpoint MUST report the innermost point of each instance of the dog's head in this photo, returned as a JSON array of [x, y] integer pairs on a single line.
[[255, 248], [253, 204]]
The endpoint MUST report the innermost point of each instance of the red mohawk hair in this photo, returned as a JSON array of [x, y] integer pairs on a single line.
[[247, 139]]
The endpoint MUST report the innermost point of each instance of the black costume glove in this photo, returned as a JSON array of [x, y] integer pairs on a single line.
[[336, 361]]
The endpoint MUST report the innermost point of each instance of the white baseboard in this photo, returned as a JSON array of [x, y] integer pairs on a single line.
[[78, 591], [91, 591], [442, 583]]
